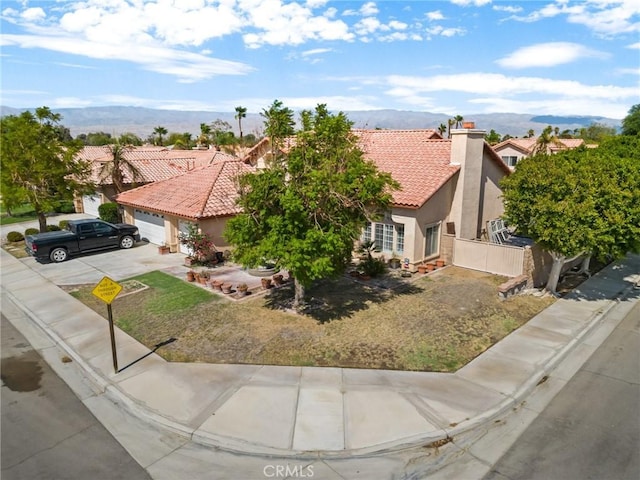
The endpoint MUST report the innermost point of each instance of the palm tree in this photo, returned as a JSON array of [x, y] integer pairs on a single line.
[[114, 169], [241, 112], [458, 119], [546, 139], [205, 132], [450, 123], [530, 133], [160, 131], [442, 128]]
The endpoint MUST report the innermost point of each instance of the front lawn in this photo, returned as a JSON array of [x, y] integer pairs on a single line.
[[437, 323], [23, 213]]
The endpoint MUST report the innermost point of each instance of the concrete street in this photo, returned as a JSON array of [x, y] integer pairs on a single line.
[[46, 431], [592, 428]]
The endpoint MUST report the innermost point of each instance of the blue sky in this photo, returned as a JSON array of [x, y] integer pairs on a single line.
[[455, 57]]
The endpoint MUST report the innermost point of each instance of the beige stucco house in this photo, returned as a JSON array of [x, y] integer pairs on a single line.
[[513, 150], [446, 185], [205, 196]]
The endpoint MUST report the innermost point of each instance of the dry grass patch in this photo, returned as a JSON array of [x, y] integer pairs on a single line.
[[436, 323]]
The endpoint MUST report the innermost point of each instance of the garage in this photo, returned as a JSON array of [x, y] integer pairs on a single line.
[[151, 226], [90, 204]]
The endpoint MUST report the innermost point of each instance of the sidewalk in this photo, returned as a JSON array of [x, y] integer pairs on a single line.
[[308, 412]]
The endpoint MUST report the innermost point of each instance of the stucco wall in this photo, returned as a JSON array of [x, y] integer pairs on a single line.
[[491, 204]]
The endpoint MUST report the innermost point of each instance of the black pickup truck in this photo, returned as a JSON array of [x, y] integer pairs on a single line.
[[81, 236]]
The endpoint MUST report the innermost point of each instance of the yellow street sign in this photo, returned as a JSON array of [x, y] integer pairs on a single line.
[[107, 290]]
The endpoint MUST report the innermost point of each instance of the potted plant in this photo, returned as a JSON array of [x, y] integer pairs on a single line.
[[266, 283], [191, 276], [242, 289], [163, 249], [217, 284], [431, 267], [439, 263], [422, 268], [394, 262], [226, 288], [204, 277], [278, 279]]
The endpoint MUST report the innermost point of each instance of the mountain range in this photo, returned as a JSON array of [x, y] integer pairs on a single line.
[[141, 121]]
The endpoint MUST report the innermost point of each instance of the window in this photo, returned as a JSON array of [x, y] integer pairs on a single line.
[[104, 229], [510, 160], [366, 233], [432, 240], [399, 238], [384, 237], [85, 229]]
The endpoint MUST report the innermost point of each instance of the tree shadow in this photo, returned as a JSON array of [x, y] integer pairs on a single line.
[[620, 278], [334, 299]]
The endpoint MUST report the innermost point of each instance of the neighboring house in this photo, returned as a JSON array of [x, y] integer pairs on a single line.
[[447, 185], [153, 163], [205, 196], [513, 150]]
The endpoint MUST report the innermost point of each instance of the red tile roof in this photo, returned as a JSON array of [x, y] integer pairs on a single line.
[[154, 163], [201, 193], [526, 145], [417, 159]]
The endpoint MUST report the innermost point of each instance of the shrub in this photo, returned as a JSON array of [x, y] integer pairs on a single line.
[[15, 237], [63, 224], [31, 231], [373, 266], [53, 228], [109, 212], [200, 245], [66, 207]]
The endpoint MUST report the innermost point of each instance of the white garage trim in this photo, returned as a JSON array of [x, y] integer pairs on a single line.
[[151, 226], [90, 204]]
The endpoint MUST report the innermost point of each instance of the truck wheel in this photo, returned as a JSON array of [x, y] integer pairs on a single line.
[[126, 242], [58, 255]]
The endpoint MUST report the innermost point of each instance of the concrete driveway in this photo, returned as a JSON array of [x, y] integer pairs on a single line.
[[116, 264]]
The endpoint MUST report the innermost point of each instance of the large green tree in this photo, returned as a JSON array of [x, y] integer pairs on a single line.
[[279, 124], [37, 166], [577, 202], [631, 123], [306, 211]]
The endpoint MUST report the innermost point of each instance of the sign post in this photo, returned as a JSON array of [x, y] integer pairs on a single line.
[[107, 290]]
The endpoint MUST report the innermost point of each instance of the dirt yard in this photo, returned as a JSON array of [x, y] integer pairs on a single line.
[[434, 323]]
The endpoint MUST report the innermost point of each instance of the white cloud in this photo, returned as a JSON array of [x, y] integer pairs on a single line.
[[466, 3], [33, 14], [548, 55], [502, 86], [554, 106], [635, 46], [188, 67], [315, 51], [445, 32], [368, 9], [507, 8], [433, 16], [603, 17]]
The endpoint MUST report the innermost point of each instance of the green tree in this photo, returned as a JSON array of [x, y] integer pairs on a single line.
[[241, 112], [205, 134], [596, 132], [279, 124], [36, 166], [442, 128], [160, 131], [95, 139], [631, 123], [114, 170], [458, 119], [547, 139], [583, 201], [222, 133], [492, 137], [129, 138], [305, 212]]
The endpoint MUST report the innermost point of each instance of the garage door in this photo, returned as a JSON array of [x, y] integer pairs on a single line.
[[90, 204], [151, 226], [183, 226]]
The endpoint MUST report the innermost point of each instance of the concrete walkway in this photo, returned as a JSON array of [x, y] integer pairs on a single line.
[[307, 412]]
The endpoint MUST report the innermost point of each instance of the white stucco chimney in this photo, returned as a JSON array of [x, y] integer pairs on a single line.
[[467, 149]]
